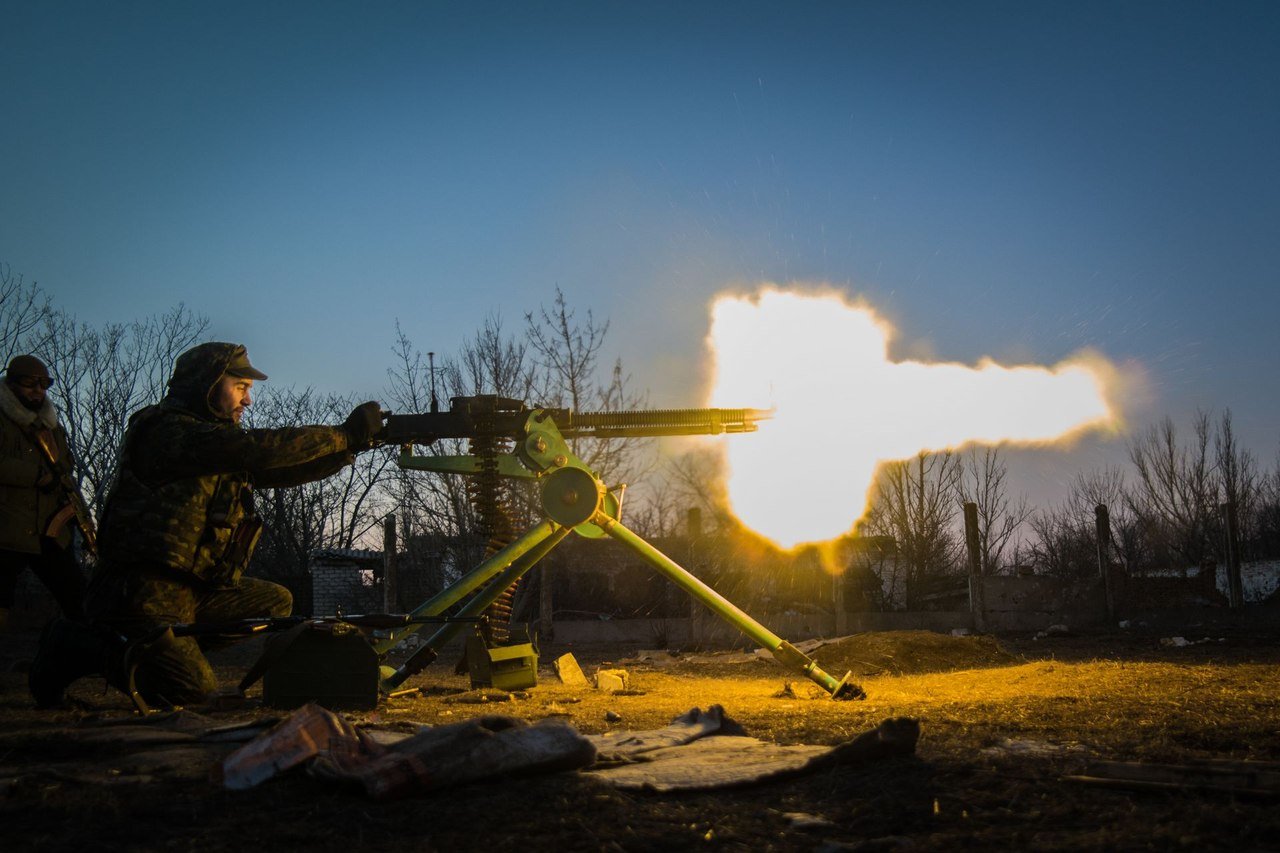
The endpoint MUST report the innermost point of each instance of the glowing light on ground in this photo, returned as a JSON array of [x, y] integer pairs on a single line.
[[842, 407]]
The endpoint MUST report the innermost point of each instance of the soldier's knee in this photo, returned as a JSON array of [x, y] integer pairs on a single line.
[[282, 601]]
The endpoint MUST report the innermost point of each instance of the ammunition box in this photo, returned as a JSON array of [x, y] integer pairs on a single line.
[[332, 665], [511, 667]]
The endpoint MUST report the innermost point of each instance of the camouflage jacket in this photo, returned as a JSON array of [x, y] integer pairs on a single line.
[[183, 494], [25, 507]]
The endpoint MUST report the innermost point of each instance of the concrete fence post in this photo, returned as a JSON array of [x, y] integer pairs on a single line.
[[977, 598], [1231, 532], [1102, 528], [390, 604]]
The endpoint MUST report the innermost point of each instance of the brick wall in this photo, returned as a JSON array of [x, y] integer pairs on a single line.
[[350, 583]]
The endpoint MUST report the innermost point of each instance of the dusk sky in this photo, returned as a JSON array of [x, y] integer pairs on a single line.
[[1006, 179]]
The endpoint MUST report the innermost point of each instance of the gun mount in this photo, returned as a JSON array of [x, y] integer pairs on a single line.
[[573, 499]]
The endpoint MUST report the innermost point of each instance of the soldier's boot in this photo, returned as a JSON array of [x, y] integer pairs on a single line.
[[68, 651]]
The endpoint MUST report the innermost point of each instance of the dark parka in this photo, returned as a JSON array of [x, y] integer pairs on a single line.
[[25, 507], [182, 500]]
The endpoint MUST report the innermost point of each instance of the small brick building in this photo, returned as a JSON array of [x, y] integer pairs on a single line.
[[349, 579]]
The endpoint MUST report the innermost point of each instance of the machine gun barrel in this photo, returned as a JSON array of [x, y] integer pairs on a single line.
[[462, 421], [659, 422]]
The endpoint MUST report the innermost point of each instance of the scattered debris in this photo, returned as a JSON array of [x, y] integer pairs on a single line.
[[801, 690], [677, 757], [484, 696], [1181, 642], [397, 764], [686, 728], [613, 680], [653, 657], [708, 763], [485, 747], [566, 667], [883, 844], [1029, 747], [803, 820], [299, 738]]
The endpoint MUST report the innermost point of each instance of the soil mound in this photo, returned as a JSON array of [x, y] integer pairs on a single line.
[[909, 652]]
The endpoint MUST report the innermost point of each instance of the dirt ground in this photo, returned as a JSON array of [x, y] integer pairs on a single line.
[[1004, 723]]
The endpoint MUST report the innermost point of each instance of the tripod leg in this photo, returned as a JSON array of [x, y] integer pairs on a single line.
[[473, 580], [785, 653], [475, 607]]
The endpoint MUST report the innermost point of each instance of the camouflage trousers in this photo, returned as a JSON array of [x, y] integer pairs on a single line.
[[175, 670]]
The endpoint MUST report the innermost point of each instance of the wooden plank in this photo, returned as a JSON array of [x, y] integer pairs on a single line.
[[1259, 778]]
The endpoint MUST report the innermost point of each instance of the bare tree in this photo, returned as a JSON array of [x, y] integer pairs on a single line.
[[331, 513], [695, 479], [104, 375], [914, 502], [983, 481], [23, 309], [433, 510], [492, 362], [1175, 490], [1064, 541], [1266, 543], [1238, 479], [568, 352]]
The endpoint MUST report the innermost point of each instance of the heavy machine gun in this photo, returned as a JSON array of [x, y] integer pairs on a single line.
[[509, 439]]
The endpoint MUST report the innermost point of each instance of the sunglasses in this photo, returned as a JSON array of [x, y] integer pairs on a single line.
[[33, 382]]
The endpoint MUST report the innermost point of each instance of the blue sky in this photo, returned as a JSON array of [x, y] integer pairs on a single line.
[[1007, 179]]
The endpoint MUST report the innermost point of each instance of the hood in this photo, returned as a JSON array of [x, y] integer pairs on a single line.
[[195, 374], [46, 417]]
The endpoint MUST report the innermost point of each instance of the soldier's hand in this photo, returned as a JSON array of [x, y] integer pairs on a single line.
[[364, 425]]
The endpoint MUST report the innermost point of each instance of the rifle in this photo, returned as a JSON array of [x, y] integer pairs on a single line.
[[75, 507]]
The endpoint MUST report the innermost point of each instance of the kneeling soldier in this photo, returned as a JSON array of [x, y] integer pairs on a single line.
[[179, 525]]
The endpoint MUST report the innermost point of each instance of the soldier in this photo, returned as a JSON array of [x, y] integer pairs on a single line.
[[179, 525], [31, 492]]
